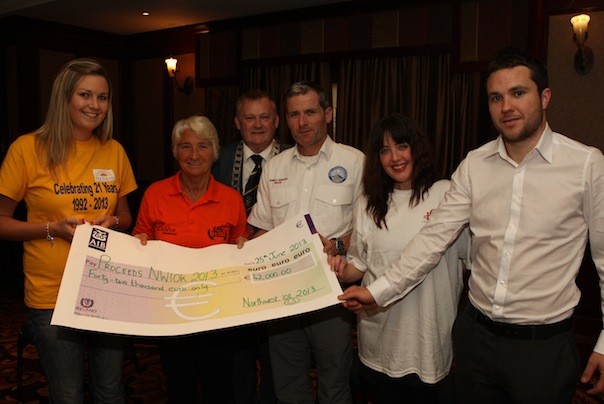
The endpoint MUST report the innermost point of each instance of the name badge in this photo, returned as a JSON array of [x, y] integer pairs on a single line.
[[103, 174]]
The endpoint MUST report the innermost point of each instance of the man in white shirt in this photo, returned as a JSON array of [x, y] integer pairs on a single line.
[[323, 178], [532, 197], [257, 120]]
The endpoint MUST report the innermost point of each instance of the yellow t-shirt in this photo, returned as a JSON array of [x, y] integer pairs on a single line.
[[95, 177]]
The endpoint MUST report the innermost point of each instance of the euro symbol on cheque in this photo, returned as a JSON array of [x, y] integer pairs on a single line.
[[177, 301]]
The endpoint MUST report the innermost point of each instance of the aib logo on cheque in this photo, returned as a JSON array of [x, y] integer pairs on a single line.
[[98, 239]]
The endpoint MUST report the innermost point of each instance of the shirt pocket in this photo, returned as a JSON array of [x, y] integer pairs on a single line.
[[282, 200], [334, 209]]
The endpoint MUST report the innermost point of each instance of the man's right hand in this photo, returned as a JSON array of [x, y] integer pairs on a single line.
[[357, 299]]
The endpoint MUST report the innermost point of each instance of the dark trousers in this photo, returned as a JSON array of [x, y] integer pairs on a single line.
[[198, 363], [323, 335], [492, 368], [251, 348], [408, 389]]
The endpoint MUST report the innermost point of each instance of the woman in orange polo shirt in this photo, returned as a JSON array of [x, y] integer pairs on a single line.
[[194, 210]]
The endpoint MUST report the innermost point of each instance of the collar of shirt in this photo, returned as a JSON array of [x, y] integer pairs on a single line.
[[545, 147], [248, 153], [326, 149], [210, 195], [248, 163]]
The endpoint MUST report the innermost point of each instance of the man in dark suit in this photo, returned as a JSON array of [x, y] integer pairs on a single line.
[[257, 120], [239, 165]]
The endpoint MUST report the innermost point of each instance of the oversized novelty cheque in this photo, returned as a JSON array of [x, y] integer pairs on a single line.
[[114, 284]]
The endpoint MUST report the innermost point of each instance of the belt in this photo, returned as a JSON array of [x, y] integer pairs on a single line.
[[534, 332]]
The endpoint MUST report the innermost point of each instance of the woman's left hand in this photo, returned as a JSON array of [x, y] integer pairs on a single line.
[[338, 265], [109, 222], [329, 246], [143, 237], [241, 241]]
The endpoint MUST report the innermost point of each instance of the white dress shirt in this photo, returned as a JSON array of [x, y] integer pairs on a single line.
[[248, 163], [529, 223]]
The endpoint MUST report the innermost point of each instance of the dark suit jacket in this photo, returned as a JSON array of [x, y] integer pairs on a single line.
[[222, 169]]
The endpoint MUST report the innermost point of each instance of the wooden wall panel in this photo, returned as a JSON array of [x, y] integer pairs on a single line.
[[270, 42], [440, 27], [217, 57], [413, 26], [290, 39], [385, 29], [468, 31], [311, 37], [250, 46], [355, 32], [360, 32], [485, 26], [337, 37], [494, 26]]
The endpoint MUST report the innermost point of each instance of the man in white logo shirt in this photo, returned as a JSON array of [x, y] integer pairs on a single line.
[[323, 178]]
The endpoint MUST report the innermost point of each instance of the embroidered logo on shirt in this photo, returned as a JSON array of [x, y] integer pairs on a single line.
[[162, 227], [218, 232], [103, 174], [428, 214], [338, 174], [277, 181]]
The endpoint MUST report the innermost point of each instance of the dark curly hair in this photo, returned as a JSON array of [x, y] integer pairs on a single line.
[[378, 186]]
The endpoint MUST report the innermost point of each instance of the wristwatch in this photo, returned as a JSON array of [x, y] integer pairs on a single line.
[[339, 245]]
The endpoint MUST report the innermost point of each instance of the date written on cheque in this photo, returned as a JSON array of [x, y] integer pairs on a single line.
[[287, 266]]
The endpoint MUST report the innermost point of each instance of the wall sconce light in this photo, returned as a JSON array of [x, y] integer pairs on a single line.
[[584, 58], [187, 86]]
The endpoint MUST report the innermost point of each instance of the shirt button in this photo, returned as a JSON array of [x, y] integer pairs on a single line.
[[334, 201]]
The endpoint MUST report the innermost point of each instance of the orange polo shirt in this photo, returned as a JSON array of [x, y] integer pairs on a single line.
[[167, 214]]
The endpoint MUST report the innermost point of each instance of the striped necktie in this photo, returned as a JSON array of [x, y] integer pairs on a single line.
[[249, 196]]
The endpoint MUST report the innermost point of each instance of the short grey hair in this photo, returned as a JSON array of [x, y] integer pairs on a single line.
[[202, 127], [304, 87]]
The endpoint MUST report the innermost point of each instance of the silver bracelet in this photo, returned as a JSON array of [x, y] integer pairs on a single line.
[[50, 238], [117, 222]]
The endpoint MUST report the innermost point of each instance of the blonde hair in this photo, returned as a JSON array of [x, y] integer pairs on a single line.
[[55, 136], [202, 127]]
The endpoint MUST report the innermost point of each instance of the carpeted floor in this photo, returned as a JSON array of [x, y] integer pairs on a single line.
[[144, 378]]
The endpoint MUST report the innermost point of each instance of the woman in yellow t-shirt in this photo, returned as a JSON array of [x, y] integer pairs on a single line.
[[68, 171]]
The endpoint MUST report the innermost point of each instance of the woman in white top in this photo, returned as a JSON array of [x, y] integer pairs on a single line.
[[405, 348]]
